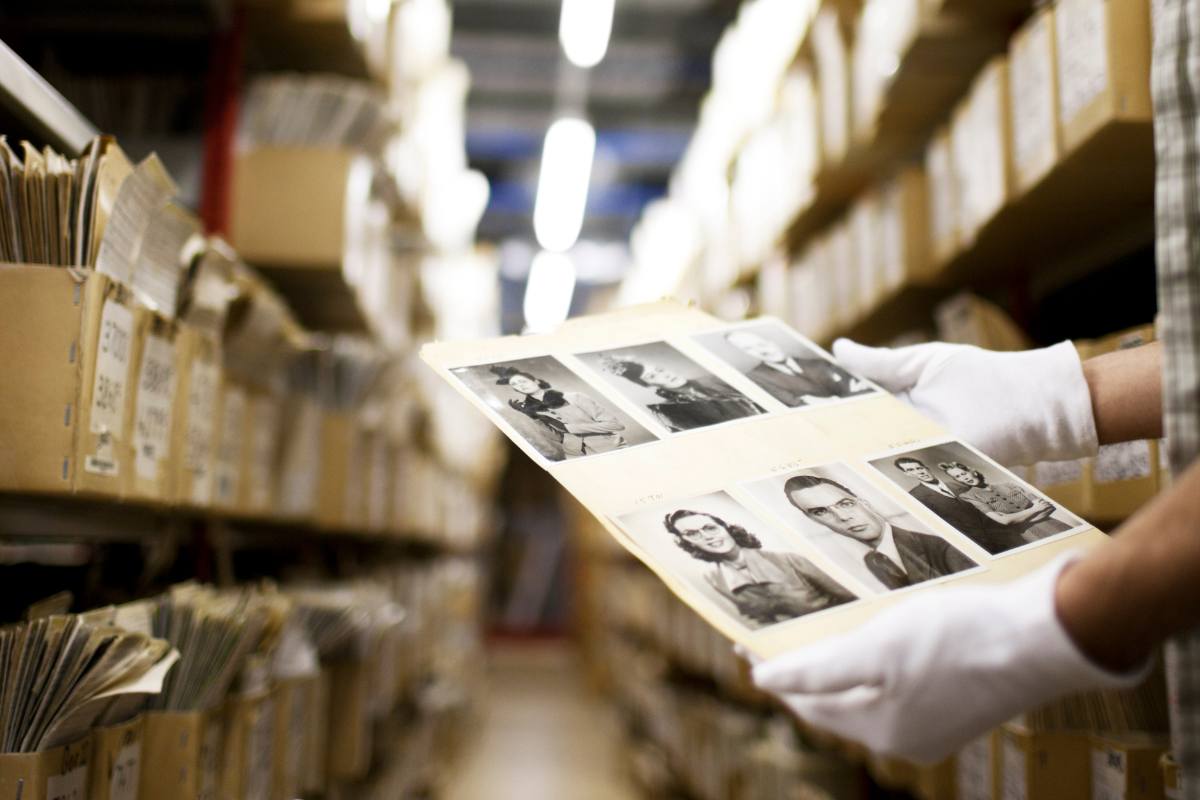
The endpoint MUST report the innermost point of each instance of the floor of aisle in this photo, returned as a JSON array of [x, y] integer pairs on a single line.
[[544, 735]]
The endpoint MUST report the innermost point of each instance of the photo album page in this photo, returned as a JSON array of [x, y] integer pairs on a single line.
[[780, 495]]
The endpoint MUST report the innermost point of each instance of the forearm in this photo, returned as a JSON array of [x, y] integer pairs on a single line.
[[1121, 601], [1126, 389]]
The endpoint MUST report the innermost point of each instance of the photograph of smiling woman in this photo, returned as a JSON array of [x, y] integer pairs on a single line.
[[766, 587]]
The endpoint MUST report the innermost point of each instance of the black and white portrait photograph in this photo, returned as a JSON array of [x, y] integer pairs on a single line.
[[859, 528], [783, 365], [552, 408], [975, 497], [681, 394], [735, 559]]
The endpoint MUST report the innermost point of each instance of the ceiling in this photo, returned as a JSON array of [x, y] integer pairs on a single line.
[[643, 100]]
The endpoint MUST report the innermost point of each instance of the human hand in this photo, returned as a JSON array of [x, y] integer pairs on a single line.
[[1019, 408], [929, 674]]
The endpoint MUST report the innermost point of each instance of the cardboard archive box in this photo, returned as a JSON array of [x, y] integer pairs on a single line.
[[349, 740], [1043, 766], [944, 212], [936, 781], [194, 422], [380, 482], [63, 422], [1033, 96], [865, 224], [155, 371], [1103, 72], [247, 767], [338, 435], [981, 149], [294, 713], [1172, 788], [1127, 767], [316, 761], [181, 755], [61, 772], [300, 458], [831, 51], [116, 764], [289, 206], [904, 220], [258, 490], [41, 339]]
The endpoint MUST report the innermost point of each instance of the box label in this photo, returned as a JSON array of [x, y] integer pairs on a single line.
[[112, 368], [265, 423], [202, 401], [230, 447], [1122, 462], [1053, 473], [1081, 28], [1014, 784], [126, 773], [1031, 92], [1108, 774], [68, 786], [299, 486], [156, 391]]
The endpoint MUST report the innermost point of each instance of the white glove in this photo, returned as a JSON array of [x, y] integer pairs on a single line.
[[1019, 408], [937, 670]]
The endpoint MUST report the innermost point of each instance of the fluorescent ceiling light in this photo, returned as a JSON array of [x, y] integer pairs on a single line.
[[584, 28], [548, 291], [563, 183]]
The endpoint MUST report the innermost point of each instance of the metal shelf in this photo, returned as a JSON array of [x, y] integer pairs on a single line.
[[38, 105]]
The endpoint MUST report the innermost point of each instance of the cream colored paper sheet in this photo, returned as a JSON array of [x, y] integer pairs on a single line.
[[635, 456]]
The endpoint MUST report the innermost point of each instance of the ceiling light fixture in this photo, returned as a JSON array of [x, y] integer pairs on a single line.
[[562, 191], [548, 291], [584, 28]]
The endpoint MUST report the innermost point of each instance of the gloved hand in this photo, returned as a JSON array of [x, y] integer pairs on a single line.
[[933, 672], [1019, 408]]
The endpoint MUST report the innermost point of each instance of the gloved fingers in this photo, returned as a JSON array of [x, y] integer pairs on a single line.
[[896, 370], [850, 714], [741, 651], [832, 666]]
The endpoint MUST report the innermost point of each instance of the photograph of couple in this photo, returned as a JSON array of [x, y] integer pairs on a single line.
[[975, 497], [552, 408]]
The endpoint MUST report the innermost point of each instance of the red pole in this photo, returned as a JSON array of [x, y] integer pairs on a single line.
[[220, 121]]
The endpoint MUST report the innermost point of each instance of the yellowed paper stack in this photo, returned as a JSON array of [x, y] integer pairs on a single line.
[[779, 495]]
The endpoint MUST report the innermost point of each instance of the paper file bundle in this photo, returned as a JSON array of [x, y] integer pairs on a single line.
[[778, 494]]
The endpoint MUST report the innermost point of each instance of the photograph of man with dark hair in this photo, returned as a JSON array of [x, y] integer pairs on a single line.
[[895, 557]]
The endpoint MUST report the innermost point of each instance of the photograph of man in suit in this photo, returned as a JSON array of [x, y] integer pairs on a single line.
[[893, 557], [958, 513], [765, 586], [792, 379]]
